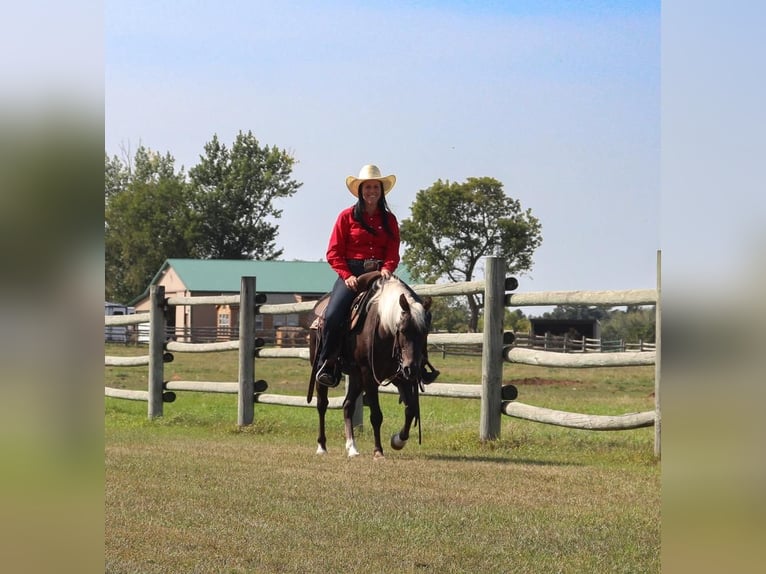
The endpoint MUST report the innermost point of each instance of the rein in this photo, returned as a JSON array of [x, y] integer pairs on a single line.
[[396, 352]]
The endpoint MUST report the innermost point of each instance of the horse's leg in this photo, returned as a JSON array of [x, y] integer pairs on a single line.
[[349, 404], [376, 420], [411, 410], [322, 402]]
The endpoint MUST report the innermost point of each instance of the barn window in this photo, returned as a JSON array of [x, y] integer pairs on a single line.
[[286, 320]]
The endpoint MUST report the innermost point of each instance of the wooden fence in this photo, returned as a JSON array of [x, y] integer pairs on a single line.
[[496, 348]]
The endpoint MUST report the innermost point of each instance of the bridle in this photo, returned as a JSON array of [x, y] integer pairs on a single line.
[[396, 354]]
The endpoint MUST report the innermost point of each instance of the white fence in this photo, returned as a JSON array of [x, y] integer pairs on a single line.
[[494, 344]]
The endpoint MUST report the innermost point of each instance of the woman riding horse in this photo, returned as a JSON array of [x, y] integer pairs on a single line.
[[365, 238], [386, 347]]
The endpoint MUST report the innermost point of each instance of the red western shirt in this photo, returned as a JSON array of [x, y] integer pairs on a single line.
[[349, 240]]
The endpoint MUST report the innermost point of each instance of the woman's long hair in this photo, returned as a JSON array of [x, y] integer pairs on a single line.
[[382, 205]]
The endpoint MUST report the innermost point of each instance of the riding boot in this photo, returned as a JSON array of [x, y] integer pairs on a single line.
[[329, 374], [428, 373]]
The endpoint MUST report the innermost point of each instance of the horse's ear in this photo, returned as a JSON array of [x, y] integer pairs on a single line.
[[427, 302], [403, 303]]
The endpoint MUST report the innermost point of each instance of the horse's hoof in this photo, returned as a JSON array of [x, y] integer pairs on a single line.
[[321, 450], [396, 442], [351, 448], [378, 455]]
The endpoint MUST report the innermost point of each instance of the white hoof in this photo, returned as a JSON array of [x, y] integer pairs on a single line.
[[320, 450], [351, 449], [396, 442]]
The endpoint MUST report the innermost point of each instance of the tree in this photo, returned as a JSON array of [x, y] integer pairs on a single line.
[[633, 325], [234, 192], [449, 314], [116, 177], [598, 312], [224, 209], [516, 321], [148, 218], [454, 225]]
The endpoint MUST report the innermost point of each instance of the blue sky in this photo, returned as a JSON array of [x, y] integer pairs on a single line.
[[560, 101]]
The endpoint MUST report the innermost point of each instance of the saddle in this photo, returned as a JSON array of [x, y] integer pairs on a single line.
[[367, 286]]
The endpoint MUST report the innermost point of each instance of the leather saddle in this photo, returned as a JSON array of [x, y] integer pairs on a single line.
[[367, 287]]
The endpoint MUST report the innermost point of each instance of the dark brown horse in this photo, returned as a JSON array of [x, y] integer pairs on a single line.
[[386, 347]]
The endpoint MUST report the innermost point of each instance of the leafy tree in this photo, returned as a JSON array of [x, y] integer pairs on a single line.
[[454, 225], [633, 325], [223, 210], [116, 176], [234, 192], [450, 315], [598, 312], [147, 219], [516, 321]]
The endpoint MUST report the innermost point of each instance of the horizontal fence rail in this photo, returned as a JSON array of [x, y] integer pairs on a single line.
[[613, 298], [548, 359], [578, 420]]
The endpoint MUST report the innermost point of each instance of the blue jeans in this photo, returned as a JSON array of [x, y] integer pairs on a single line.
[[336, 314]]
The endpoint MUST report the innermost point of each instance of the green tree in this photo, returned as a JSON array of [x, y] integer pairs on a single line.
[[234, 193], [148, 219], [450, 314], [454, 225], [116, 177], [632, 325], [516, 321], [598, 312]]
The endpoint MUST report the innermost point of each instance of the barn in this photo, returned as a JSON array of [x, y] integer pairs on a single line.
[[575, 328]]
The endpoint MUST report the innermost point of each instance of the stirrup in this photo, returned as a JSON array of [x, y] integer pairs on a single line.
[[327, 376]]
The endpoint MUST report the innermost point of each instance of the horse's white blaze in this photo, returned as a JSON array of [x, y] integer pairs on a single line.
[[389, 309], [351, 448]]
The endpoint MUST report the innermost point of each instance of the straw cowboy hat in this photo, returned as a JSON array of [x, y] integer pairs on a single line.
[[367, 173]]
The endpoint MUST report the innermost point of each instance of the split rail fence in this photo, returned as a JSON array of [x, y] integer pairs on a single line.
[[496, 347]]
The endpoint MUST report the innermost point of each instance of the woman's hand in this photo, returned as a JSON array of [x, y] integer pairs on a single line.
[[385, 273], [352, 283]]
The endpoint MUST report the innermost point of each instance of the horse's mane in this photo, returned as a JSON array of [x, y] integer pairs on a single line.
[[389, 309]]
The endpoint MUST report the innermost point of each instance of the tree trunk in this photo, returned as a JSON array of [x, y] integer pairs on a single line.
[[473, 322]]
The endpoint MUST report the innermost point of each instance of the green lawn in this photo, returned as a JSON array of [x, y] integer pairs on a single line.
[[192, 492]]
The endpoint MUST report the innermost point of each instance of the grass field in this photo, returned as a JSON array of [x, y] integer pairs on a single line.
[[192, 492]]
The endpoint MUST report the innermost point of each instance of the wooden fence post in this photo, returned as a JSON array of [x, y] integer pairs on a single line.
[[246, 394], [492, 349], [156, 349]]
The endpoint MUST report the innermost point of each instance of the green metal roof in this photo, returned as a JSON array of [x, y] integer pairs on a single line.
[[224, 275], [271, 276]]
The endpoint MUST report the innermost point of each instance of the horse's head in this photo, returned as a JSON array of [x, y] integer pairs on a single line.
[[406, 320]]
